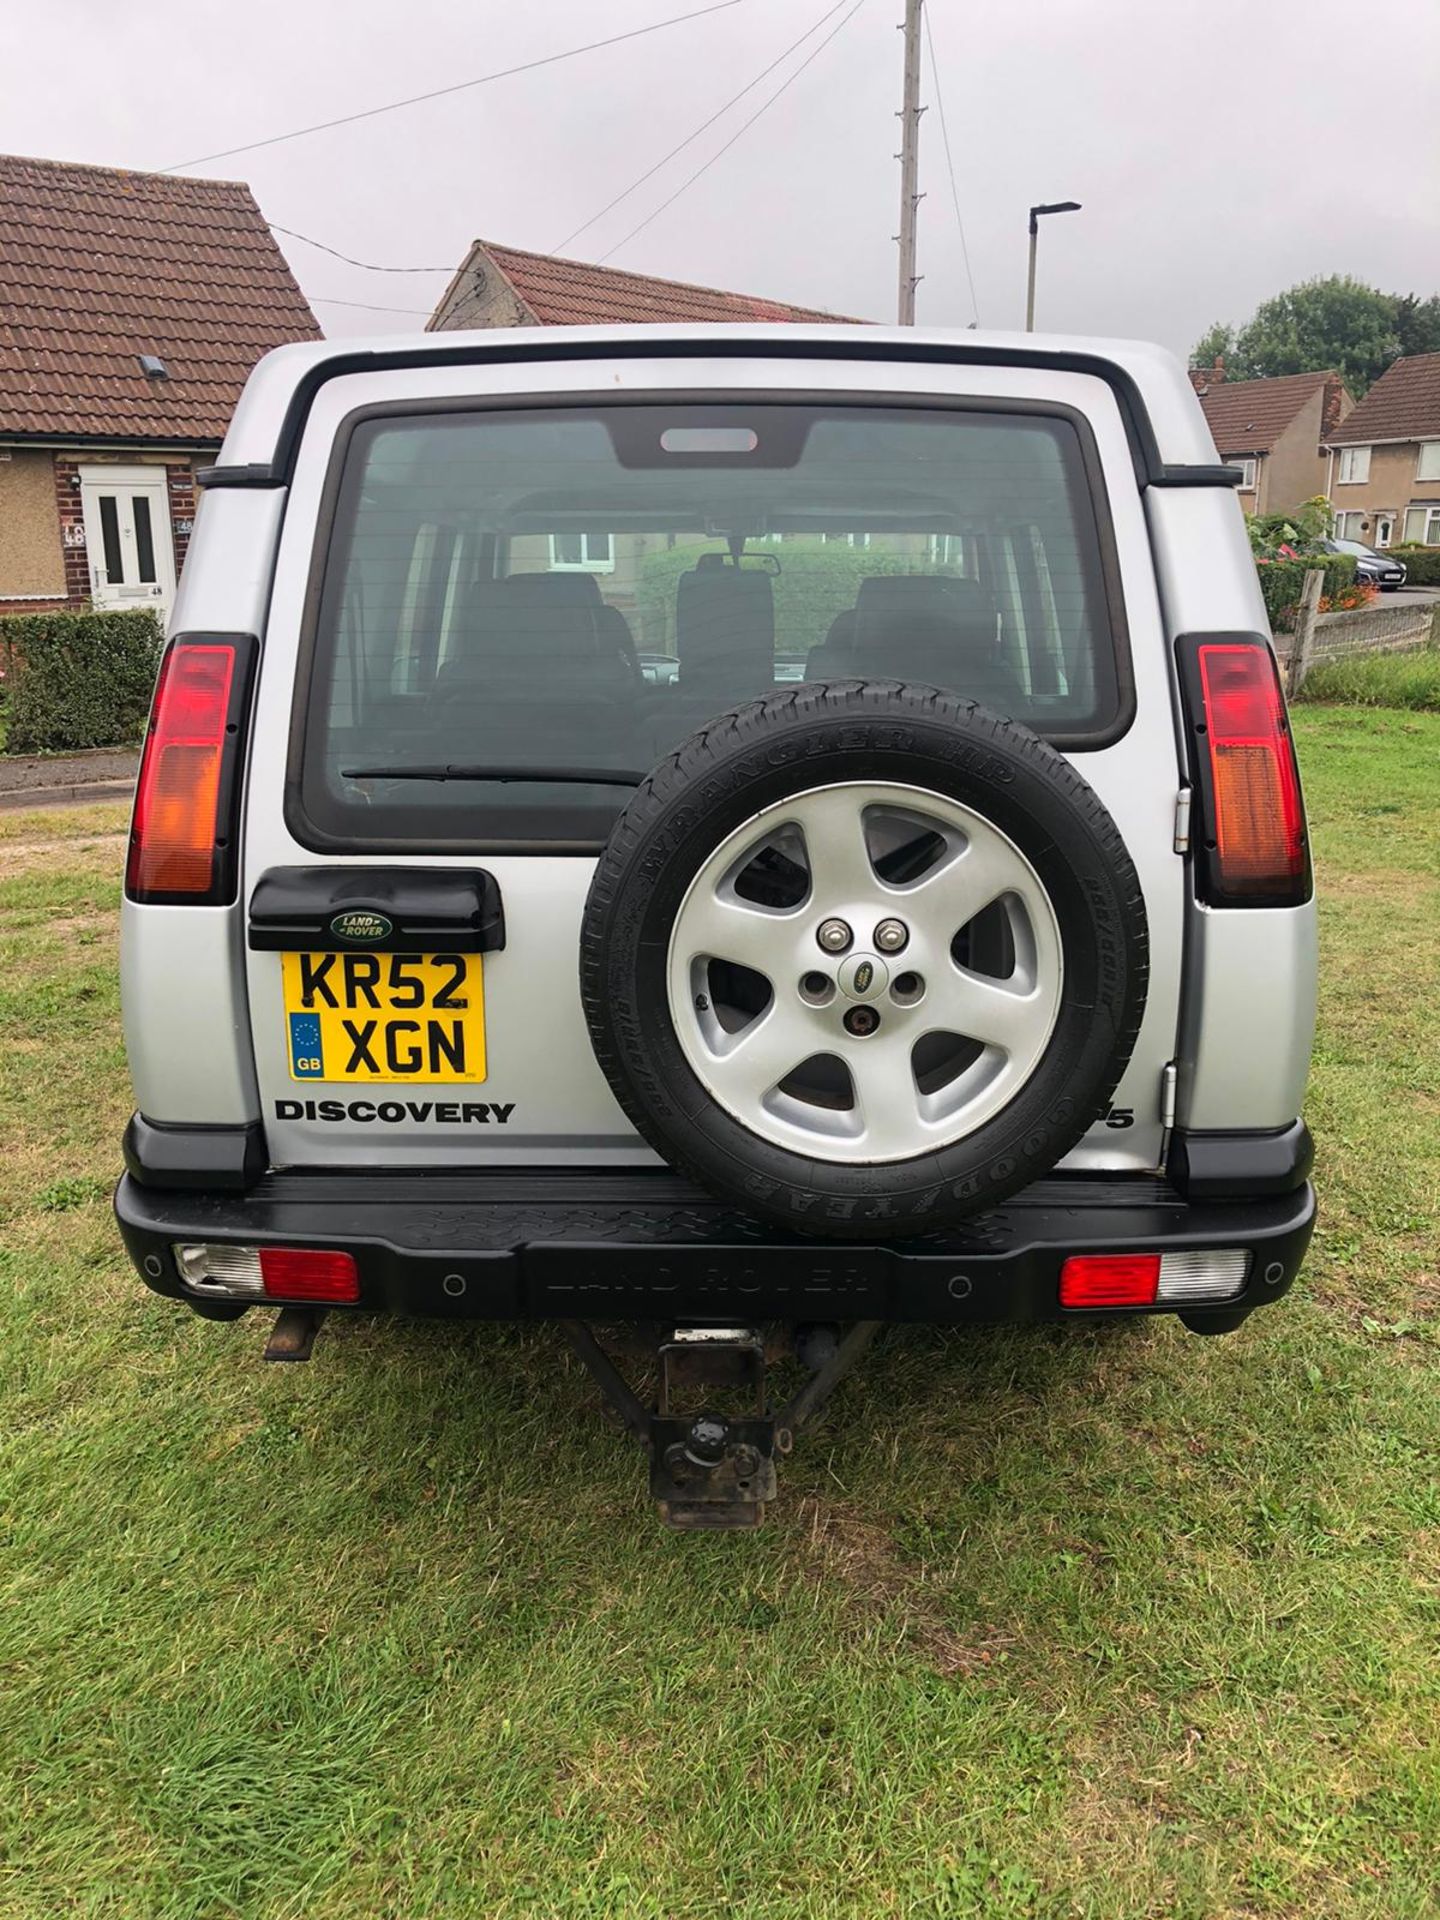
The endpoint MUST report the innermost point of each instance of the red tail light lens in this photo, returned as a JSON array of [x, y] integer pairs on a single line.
[[1110, 1280], [301, 1273], [1255, 851], [181, 838]]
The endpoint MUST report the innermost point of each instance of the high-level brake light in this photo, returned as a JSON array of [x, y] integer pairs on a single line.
[[1254, 850]]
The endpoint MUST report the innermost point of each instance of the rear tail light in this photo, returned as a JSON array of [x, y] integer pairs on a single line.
[[317, 1276], [1152, 1279], [1110, 1280], [1252, 849], [182, 838]]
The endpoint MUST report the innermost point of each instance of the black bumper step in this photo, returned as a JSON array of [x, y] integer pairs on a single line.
[[509, 1245]]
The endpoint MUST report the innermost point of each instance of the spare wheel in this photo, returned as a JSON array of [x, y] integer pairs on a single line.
[[864, 958]]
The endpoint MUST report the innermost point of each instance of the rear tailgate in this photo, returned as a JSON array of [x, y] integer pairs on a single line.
[[395, 1073]]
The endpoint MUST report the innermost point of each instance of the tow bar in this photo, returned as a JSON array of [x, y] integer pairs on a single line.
[[708, 1469]]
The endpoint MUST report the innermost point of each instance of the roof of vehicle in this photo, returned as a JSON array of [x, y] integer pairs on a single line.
[[1148, 380], [1403, 404], [99, 266], [1249, 416]]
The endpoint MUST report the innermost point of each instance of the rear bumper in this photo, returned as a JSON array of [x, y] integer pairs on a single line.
[[566, 1246]]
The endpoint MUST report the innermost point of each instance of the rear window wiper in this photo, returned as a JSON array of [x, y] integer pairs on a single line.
[[571, 776]]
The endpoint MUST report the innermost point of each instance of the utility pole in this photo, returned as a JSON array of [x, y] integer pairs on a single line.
[[909, 158]]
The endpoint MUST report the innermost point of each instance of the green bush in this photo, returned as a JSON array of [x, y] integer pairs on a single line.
[[1377, 680], [1422, 564], [1282, 581], [817, 580], [76, 680]]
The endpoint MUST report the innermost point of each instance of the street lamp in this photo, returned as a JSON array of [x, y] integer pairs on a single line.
[[1055, 206]]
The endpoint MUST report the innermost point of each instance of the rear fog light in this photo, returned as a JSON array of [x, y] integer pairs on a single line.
[[1152, 1279], [287, 1274]]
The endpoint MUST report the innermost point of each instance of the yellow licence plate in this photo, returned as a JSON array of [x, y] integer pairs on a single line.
[[384, 1017]]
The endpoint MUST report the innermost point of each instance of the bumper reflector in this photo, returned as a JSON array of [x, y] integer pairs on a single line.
[[1152, 1279], [290, 1274]]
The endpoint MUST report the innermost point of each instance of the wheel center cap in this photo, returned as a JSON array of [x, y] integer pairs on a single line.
[[863, 976]]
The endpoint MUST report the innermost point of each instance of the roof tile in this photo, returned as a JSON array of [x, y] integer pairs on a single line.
[[571, 293], [1403, 404], [98, 266], [1249, 416]]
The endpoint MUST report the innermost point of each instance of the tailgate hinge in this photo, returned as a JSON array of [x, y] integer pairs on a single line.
[[1182, 820]]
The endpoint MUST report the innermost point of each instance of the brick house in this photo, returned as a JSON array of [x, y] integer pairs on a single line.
[[132, 307], [507, 287], [1275, 430], [1385, 458]]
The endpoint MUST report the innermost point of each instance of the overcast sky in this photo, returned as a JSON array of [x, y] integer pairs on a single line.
[[1222, 149]]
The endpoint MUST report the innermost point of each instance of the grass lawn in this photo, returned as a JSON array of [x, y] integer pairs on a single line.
[[1378, 680], [1045, 1623]]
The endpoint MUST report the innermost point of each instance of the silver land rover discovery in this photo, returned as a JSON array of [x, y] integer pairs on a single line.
[[726, 829]]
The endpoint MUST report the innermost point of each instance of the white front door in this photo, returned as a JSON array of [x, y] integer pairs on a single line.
[[127, 537]]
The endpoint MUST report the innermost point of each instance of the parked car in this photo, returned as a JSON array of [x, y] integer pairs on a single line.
[[470, 969], [1382, 569]]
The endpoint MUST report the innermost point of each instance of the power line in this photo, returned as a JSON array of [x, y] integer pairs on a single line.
[[743, 129], [950, 164], [368, 266], [704, 127], [485, 79], [327, 300]]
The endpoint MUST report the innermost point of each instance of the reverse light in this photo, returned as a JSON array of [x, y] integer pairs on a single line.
[[1152, 1279], [182, 836], [1253, 848], [312, 1275]]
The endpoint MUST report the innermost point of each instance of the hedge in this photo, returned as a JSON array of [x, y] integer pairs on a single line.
[[817, 580], [76, 680], [1422, 564], [1283, 581]]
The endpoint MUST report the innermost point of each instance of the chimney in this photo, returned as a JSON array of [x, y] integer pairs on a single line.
[[1330, 411]]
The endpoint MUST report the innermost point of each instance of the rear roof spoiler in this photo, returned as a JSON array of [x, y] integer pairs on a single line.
[[508, 350]]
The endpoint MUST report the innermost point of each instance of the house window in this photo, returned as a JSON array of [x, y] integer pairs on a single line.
[[1423, 524], [581, 553], [1354, 466], [1348, 526], [1427, 467], [1247, 465]]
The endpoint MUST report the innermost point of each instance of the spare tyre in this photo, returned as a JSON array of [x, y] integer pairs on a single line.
[[864, 958]]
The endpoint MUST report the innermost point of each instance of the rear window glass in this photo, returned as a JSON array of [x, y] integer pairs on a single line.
[[517, 606]]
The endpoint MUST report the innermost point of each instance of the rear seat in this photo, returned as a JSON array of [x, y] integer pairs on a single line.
[[582, 590], [934, 629], [542, 673], [724, 634]]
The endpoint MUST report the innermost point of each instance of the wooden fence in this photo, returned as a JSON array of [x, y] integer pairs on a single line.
[[1330, 636]]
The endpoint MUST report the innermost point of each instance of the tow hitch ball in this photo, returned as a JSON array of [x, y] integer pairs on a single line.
[[708, 1469]]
